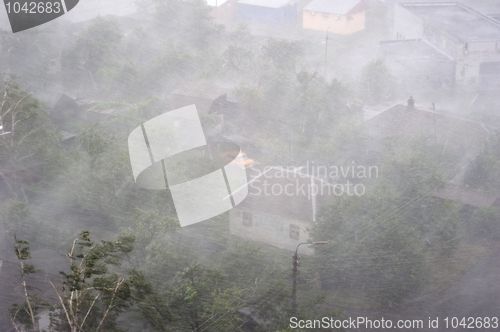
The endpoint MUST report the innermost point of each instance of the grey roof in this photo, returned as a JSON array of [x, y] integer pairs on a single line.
[[303, 204], [418, 49], [340, 7], [457, 20], [266, 3]]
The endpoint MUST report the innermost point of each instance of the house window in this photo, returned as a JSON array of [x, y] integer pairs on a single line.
[[325, 15], [294, 232], [312, 13], [247, 219]]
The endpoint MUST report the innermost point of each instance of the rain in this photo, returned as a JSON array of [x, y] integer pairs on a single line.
[[249, 165]]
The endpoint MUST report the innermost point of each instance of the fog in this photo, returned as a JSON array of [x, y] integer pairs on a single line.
[[250, 165]]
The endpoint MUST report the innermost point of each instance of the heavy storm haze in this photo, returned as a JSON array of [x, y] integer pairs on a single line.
[[346, 153]]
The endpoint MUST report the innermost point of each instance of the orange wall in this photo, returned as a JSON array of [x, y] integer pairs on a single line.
[[341, 26], [225, 12]]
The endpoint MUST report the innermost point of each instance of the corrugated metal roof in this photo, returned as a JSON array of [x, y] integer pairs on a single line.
[[340, 7], [266, 3]]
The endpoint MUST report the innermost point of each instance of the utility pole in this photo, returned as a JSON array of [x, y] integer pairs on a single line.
[[435, 135], [295, 272], [326, 49]]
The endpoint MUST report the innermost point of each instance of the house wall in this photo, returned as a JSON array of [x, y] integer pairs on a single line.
[[344, 25], [420, 75], [270, 229], [407, 25], [469, 77], [445, 43], [267, 15], [468, 55], [224, 13]]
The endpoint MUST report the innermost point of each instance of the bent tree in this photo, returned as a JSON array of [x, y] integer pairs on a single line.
[[91, 294]]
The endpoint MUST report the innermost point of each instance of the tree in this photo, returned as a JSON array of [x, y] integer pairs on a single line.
[[379, 242], [27, 312], [26, 136], [484, 171], [198, 297], [239, 50], [377, 83], [187, 21], [91, 296], [486, 222], [95, 45], [282, 53]]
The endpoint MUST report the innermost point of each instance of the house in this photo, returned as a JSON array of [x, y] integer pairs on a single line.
[[222, 10], [63, 109], [467, 37], [280, 207], [68, 139], [203, 95], [209, 99], [459, 138], [267, 11], [343, 17]]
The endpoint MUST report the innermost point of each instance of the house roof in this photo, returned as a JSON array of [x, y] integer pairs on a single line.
[[298, 202], [417, 49], [468, 196], [201, 90], [265, 3], [66, 135], [457, 20], [340, 7], [464, 137]]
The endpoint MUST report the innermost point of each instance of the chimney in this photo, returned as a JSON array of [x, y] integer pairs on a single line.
[[411, 103]]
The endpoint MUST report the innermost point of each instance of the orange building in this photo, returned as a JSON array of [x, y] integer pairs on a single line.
[[222, 11], [342, 17]]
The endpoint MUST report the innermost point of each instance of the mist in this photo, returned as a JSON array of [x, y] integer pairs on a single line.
[[250, 165]]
